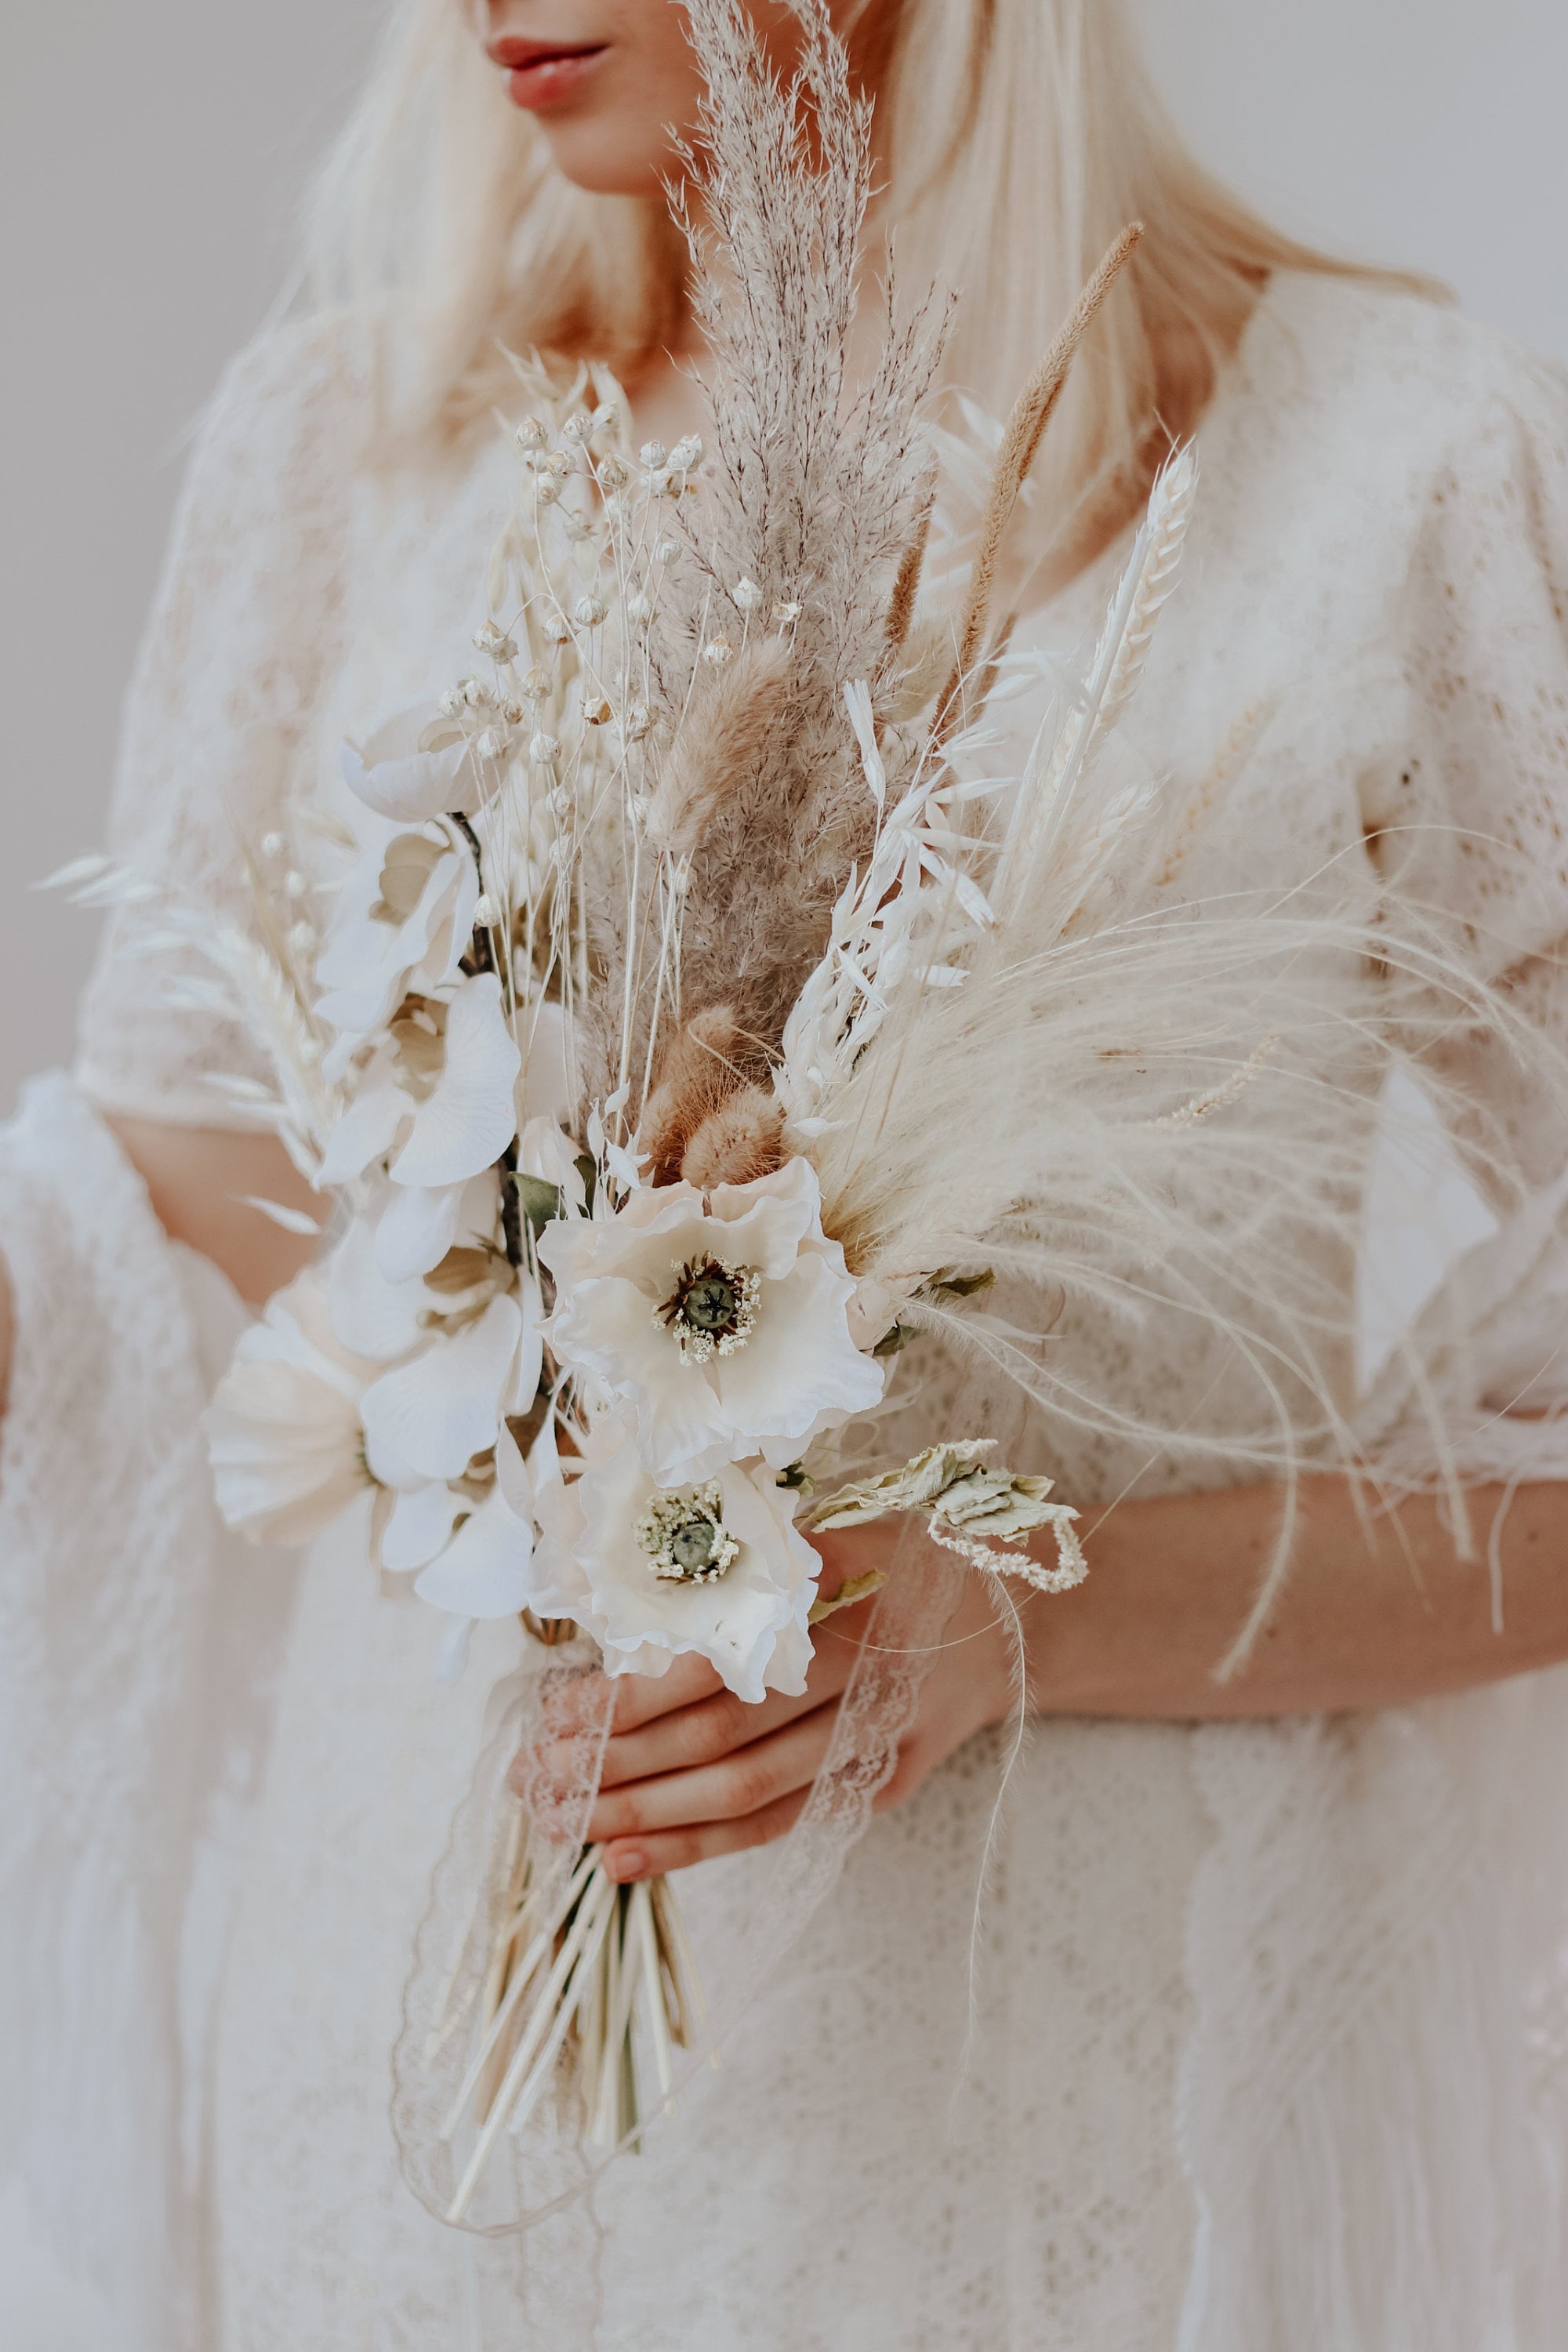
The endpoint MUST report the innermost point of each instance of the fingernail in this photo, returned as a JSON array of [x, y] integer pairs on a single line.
[[628, 1862]]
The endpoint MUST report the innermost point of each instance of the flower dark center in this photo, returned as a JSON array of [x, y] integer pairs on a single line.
[[710, 1303], [684, 1535], [712, 1309], [691, 1546]]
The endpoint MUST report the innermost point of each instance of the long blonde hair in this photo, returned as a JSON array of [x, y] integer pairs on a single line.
[[1018, 137]]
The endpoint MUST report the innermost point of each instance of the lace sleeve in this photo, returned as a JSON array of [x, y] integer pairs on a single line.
[[1474, 822], [243, 642]]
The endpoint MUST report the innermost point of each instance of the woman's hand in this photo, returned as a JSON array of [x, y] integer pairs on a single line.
[[692, 1771]]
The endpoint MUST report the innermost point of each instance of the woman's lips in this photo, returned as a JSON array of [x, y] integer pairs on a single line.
[[543, 78]]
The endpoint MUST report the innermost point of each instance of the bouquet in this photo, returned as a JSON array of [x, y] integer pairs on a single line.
[[701, 1018]]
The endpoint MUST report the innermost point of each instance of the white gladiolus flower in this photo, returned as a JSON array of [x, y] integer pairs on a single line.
[[283, 1429], [392, 775], [592, 1564], [722, 1322], [442, 1115], [404, 915]]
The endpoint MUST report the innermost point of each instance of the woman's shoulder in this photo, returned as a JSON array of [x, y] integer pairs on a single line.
[[285, 421], [1394, 384]]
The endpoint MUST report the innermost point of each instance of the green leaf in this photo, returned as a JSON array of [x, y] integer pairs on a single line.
[[892, 1341], [590, 1175], [541, 1201], [963, 1285], [795, 1477]]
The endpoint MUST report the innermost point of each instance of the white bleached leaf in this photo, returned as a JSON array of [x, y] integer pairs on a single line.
[[74, 870], [293, 1221], [858, 702]]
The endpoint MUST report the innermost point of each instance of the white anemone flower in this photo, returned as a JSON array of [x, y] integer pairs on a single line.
[[598, 1561], [437, 1102], [402, 917], [394, 774], [283, 1429], [722, 1319]]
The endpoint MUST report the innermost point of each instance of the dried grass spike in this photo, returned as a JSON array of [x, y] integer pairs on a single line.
[[721, 738], [1020, 447], [698, 1070], [906, 587], [743, 1139]]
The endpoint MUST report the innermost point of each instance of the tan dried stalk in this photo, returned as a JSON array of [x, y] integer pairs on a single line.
[[1020, 446], [720, 743], [906, 587]]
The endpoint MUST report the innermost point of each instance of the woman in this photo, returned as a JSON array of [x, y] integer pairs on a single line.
[[1263, 2046]]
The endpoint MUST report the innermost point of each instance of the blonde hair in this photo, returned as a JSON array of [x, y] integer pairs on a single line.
[[1018, 136]]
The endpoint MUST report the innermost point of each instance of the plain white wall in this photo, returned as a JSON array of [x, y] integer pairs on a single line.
[[149, 153]]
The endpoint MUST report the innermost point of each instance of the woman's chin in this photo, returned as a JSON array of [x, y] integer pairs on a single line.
[[592, 158]]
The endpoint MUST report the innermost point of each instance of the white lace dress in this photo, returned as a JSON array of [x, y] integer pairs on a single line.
[[1262, 2039]]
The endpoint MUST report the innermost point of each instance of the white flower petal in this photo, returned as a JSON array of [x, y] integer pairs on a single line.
[[468, 1117], [392, 775], [419, 1526], [483, 1573], [547, 1088], [365, 966], [417, 1228], [366, 1131], [371, 1316], [529, 1362], [429, 1417], [421, 1223], [283, 1428], [801, 1372], [511, 1475]]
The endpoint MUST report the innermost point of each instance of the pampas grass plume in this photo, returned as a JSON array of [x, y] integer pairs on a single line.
[[720, 741]]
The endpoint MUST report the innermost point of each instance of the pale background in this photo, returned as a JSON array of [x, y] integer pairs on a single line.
[[149, 151]]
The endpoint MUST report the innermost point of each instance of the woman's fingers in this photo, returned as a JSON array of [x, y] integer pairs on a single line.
[[714, 1726], [646, 1857], [639, 1698], [745, 1782]]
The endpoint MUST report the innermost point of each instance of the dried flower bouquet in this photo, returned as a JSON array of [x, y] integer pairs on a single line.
[[699, 1018]]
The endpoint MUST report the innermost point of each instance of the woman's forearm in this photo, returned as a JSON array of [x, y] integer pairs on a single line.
[[1373, 1614]]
